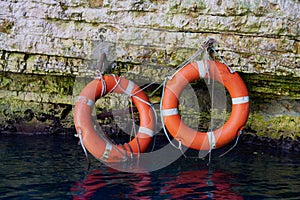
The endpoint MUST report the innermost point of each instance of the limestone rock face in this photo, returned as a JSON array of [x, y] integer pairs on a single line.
[[254, 36]]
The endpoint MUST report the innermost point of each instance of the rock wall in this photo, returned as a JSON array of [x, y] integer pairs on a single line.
[[64, 38], [254, 36]]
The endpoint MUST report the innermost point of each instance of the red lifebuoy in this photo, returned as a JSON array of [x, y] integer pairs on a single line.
[[223, 135], [99, 147]]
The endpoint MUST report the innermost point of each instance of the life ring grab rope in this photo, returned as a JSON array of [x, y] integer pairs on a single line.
[[127, 91], [144, 130], [203, 72], [149, 132], [109, 147], [170, 112], [174, 111], [91, 103]]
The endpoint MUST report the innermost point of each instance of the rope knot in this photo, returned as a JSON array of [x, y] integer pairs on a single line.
[[98, 75]]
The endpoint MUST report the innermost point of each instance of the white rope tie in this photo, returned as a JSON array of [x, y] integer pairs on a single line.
[[117, 83], [134, 129], [211, 137], [79, 135], [236, 142], [180, 148], [99, 76], [230, 70]]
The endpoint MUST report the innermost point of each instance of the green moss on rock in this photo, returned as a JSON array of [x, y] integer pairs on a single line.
[[51, 84], [274, 127], [6, 26], [38, 101]]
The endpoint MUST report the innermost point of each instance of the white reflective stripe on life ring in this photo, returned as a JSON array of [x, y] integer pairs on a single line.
[[169, 112], [240, 100], [146, 131], [129, 88], [83, 99], [201, 69], [211, 139], [106, 152]]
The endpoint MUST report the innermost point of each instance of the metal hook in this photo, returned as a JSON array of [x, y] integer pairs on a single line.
[[208, 44]]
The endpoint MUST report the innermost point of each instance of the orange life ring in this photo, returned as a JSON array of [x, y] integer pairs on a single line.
[[205, 140], [99, 147]]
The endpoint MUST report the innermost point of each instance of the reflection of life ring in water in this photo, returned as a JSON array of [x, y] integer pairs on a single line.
[[205, 140], [105, 179], [198, 184], [98, 146]]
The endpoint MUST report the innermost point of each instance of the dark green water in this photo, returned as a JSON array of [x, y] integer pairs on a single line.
[[54, 167]]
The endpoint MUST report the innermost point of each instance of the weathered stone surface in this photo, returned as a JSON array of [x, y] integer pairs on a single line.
[[275, 106], [245, 29], [42, 102]]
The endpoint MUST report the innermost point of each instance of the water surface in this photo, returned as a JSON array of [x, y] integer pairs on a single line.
[[55, 167]]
